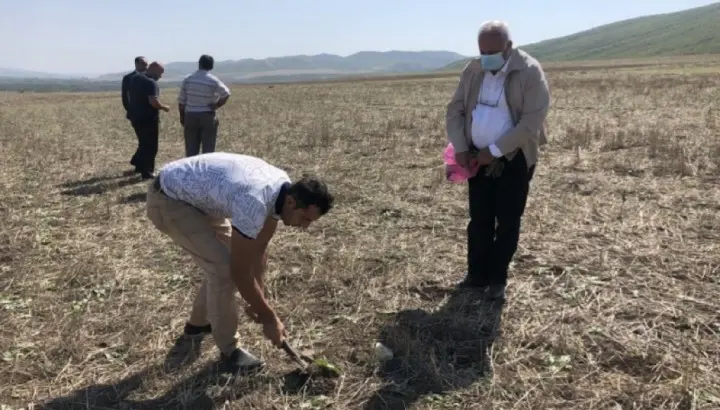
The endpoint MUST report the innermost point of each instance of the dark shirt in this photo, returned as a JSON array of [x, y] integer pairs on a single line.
[[142, 88], [127, 78]]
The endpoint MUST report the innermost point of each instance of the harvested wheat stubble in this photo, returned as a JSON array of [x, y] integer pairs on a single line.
[[613, 299]]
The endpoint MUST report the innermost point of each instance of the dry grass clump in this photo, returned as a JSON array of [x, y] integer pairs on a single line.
[[613, 301]]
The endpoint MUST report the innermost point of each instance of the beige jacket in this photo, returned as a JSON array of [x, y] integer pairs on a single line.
[[528, 98]]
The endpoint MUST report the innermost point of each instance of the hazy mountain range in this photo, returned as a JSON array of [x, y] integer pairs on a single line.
[[321, 65], [692, 31]]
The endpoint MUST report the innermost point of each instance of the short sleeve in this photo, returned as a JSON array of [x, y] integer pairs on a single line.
[[248, 215], [153, 89], [223, 90]]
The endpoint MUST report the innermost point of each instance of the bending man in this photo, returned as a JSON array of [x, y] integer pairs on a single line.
[[223, 209]]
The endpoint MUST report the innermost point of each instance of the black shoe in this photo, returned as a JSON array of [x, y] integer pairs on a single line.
[[470, 283], [147, 175], [192, 330], [495, 292], [240, 361]]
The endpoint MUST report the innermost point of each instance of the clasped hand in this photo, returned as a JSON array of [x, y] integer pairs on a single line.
[[469, 160]]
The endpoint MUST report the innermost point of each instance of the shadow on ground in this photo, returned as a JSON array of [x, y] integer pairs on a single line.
[[100, 184], [135, 198], [208, 388], [184, 352], [190, 392], [437, 352]]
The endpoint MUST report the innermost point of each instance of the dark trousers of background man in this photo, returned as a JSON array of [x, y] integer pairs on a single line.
[[134, 160], [491, 247], [147, 132], [200, 130]]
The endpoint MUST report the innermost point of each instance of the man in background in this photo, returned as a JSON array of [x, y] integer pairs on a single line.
[[144, 114], [496, 119], [141, 65], [201, 94]]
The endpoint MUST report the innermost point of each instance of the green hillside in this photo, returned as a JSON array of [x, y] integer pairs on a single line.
[[692, 31]]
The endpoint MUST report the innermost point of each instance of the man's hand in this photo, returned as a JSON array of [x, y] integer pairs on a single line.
[[484, 157], [274, 330], [465, 160], [155, 102], [219, 103], [246, 259]]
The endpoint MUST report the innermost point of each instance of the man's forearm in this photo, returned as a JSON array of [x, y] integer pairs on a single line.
[[181, 111], [222, 101], [158, 105], [251, 289], [259, 271]]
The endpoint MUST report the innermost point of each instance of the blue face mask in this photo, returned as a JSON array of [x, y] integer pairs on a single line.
[[492, 62]]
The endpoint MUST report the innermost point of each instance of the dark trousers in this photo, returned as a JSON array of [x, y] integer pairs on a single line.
[[496, 209], [200, 129], [147, 132], [134, 159]]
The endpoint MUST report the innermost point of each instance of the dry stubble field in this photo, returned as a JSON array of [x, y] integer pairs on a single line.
[[613, 301]]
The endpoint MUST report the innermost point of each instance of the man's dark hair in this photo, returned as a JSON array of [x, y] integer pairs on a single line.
[[139, 59], [206, 62], [311, 191]]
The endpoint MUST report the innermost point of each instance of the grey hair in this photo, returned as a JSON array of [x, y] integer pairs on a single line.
[[495, 27]]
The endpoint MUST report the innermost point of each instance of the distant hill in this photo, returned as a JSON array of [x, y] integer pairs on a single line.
[[692, 31], [315, 66], [19, 73]]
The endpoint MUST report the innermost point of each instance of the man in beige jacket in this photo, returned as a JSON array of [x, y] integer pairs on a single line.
[[496, 119]]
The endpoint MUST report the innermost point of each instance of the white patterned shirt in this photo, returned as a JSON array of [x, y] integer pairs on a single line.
[[242, 188]]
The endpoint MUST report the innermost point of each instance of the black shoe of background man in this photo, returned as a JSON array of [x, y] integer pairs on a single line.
[[490, 292], [147, 175]]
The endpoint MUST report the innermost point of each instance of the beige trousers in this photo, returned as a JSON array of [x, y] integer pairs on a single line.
[[207, 239]]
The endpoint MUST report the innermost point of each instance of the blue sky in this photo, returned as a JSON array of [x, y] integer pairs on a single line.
[[100, 36]]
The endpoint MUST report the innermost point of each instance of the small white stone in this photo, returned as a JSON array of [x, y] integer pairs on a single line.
[[382, 353]]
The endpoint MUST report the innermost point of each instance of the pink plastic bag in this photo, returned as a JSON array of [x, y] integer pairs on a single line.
[[454, 172]]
